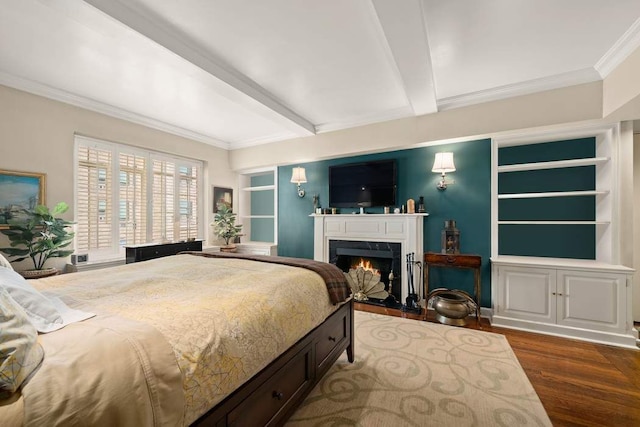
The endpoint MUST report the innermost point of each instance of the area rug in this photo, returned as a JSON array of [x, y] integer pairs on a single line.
[[413, 373]]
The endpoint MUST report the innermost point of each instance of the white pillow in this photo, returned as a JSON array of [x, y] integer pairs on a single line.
[[20, 352], [41, 312], [5, 263]]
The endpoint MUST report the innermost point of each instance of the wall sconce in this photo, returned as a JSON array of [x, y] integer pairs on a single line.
[[299, 176], [443, 163]]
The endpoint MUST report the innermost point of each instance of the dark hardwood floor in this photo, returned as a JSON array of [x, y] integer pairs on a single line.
[[579, 383]]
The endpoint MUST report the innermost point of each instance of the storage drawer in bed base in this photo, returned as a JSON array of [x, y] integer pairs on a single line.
[[274, 393]]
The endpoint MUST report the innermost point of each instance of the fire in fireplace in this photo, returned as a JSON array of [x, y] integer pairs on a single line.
[[366, 264]]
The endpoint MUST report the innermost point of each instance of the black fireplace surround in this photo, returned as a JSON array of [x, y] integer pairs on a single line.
[[386, 257]]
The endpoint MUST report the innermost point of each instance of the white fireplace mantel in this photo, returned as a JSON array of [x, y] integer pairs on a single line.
[[406, 229]]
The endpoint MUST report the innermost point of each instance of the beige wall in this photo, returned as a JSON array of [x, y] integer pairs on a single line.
[[37, 135], [621, 90], [571, 104]]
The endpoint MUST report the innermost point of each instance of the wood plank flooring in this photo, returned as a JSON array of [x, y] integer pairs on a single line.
[[579, 383]]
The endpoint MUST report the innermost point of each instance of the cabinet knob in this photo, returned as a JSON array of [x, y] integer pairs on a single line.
[[553, 293], [277, 395], [332, 339]]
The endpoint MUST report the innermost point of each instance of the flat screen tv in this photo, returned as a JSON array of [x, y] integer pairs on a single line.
[[364, 185]]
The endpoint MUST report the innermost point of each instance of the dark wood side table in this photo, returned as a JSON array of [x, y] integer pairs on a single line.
[[474, 262]]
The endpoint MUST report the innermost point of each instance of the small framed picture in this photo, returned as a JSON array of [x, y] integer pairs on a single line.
[[222, 196], [19, 190]]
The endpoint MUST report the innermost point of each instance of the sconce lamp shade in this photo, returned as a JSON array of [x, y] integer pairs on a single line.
[[443, 163], [298, 176]]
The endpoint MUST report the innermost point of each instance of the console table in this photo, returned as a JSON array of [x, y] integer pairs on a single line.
[[467, 261], [137, 253]]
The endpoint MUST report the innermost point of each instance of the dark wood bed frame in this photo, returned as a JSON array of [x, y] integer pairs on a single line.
[[273, 394]]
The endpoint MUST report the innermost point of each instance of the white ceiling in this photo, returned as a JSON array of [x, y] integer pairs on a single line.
[[235, 73]]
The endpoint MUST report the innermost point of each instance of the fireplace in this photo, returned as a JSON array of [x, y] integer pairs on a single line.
[[384, 259], [376, 232]]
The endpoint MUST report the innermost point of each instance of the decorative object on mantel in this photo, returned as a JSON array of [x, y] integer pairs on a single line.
[[450, 241], [365, 284], [37, 234], [225, 226], [421, 207], [411, 206]]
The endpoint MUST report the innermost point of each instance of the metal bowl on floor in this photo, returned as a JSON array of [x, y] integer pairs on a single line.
[[451, 309]]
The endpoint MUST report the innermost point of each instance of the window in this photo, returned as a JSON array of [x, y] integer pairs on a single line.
[[127, 196]]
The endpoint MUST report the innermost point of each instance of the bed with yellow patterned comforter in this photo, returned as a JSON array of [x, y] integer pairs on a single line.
[[172, 338]]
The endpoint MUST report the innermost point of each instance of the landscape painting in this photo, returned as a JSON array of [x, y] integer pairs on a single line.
[[19, 190]]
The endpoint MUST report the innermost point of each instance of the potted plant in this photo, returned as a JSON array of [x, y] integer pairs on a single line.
[[225, 226], [38, 234]]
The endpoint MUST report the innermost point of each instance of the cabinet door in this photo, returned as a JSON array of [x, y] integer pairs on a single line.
[[592, 300], [526, 293]]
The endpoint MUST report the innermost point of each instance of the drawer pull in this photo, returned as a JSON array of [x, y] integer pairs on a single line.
[[277, 395], [451, 259], [332, 339]]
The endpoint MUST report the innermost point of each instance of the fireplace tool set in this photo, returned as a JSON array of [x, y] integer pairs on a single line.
[[412, 297]]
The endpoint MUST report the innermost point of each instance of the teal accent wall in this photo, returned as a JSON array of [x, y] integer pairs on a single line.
[[558, 241], [468, 201]]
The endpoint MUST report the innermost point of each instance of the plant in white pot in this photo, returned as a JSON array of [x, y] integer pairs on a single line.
[[39, 234], [224, 223]]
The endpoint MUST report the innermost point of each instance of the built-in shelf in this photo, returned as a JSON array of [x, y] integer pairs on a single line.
[[554, 222], [260, 188], [258, 200], [553, 165], [553, 194]]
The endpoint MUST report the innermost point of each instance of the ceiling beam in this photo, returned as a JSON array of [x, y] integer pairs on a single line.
[[245, 91], [404, 27]]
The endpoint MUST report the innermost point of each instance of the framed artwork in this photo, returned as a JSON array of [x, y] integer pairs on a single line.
[[19, 190], [222, 196]]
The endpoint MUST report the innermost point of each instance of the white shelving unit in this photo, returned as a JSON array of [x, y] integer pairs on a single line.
[[247, 212], [586, 299]]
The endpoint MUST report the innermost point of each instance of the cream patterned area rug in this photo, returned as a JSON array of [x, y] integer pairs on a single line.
[[413, 373]]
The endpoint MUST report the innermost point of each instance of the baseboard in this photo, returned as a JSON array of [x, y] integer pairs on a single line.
[[600, 337]]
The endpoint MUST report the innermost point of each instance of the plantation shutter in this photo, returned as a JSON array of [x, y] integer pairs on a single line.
[[175, 200], [163, 200], [132, 212], [94, 208], [188, 201]]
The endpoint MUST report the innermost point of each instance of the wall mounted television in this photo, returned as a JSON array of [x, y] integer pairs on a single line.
[[366, 184]]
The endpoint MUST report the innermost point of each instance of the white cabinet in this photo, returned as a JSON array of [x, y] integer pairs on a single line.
[[573, 298], [592, 300]]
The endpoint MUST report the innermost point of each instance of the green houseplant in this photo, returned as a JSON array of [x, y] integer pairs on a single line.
[[225, 226], [39, 234]]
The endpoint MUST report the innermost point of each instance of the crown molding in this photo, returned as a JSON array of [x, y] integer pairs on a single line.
[[622, 48], [586, 75], [106, 109]]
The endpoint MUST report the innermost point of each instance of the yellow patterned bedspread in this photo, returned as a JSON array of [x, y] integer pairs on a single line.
[[225, 319]]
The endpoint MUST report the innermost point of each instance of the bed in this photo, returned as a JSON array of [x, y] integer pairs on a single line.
[[190, 339]]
